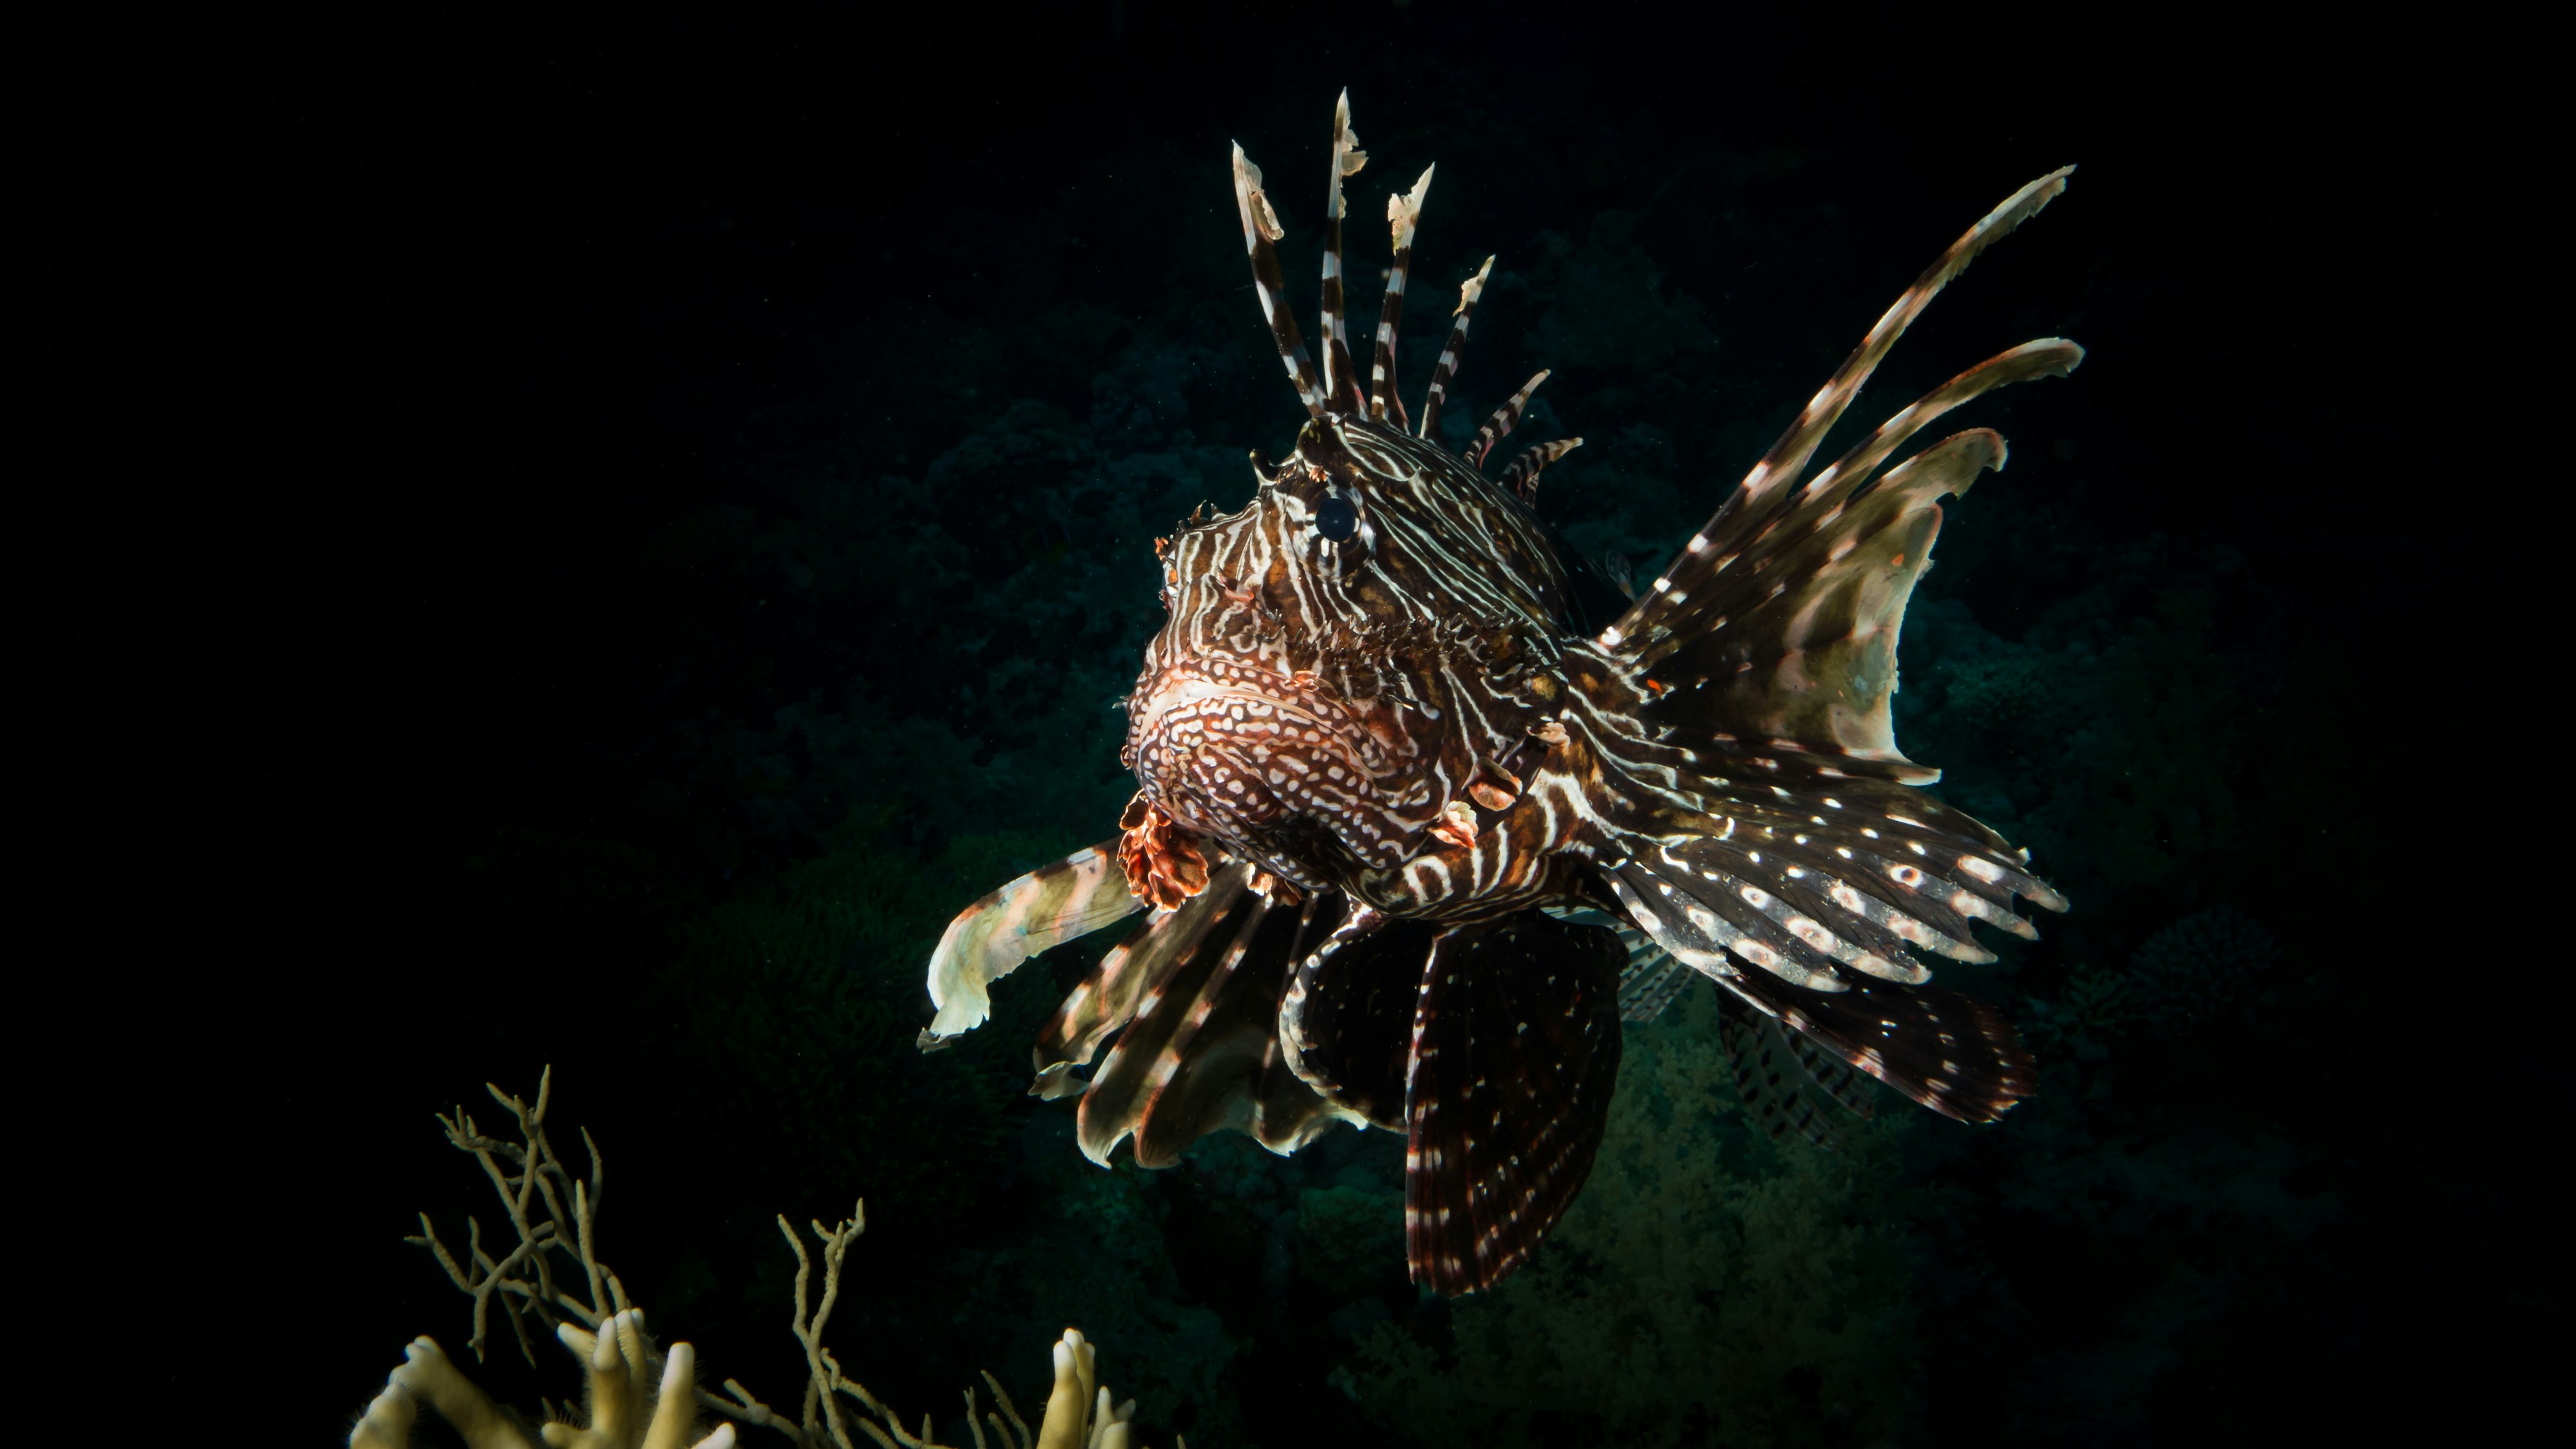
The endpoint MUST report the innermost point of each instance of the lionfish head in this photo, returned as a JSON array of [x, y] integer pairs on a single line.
[[1340, 653], [1312, 694]]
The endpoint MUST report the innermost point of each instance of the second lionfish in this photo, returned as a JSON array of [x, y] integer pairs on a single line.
[[1411, 843]]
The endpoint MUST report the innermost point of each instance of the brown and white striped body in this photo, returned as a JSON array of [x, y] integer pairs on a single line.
[[1383, 776]]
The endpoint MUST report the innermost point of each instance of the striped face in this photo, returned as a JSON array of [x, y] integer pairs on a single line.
[[1344, 656]]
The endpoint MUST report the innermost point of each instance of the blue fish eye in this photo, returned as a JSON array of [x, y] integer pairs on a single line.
[[1336, 519]]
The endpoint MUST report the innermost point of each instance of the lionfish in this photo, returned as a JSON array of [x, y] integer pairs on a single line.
[[1412, 844]]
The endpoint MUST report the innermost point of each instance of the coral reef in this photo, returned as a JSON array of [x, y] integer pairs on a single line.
[[641, 1396]]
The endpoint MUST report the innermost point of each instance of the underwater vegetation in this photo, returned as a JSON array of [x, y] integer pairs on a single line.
[[551, 1282]]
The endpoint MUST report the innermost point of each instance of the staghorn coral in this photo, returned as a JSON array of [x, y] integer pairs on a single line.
[[641, 1397]]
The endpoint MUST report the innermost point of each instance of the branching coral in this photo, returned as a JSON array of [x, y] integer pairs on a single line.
[[641, 1397]]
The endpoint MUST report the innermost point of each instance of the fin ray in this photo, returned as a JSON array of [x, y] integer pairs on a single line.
[[1142, 1061], [1260, 229], [1452, 351], [1799, 648], [1515, 1050], [1403, 214], [1784, 1080], [1745, 510], [1341, 389], [1505, 418], [1520, 476], [989, 939], [1346, 1019]]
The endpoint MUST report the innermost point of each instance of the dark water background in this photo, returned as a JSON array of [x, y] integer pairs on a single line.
[[713, 519]]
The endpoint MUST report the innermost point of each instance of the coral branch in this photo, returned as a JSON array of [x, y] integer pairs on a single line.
[[641, 1398]]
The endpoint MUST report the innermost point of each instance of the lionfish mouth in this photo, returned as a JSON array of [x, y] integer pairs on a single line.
[[1244, 753]]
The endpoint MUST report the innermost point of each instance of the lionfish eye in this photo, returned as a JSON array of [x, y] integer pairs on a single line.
[[1335, 518]]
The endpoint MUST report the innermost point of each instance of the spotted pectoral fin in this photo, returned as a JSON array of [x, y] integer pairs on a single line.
[[1830, 959], [1787, 1082], [989, 939], [1515, 1051], [1818, 891]]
